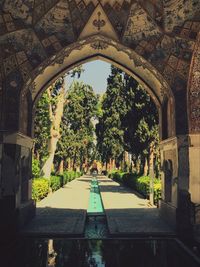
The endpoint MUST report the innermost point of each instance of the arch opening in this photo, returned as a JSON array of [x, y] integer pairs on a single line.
[[116, 54]]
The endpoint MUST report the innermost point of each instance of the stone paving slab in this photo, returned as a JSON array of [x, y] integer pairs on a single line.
[[62, 213], [128, 213]]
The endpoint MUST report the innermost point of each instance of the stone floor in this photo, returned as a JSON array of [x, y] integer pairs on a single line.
[[63, 213], [128, 213]]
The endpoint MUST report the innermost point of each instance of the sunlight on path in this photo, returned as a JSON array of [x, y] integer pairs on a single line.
[[128, 213]]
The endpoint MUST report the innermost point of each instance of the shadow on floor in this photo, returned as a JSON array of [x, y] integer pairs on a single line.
[[137, 222], [56, 222]]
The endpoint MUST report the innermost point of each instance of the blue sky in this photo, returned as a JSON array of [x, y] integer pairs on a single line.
[[95, 74]]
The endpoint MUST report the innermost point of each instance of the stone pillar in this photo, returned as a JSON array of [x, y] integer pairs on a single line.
[[16, 206], [169, 152], [194, 136], [176, 205], [194, 181], [182, 208]]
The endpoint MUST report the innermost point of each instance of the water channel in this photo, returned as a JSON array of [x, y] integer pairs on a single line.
[[96, 249], [96, 224]]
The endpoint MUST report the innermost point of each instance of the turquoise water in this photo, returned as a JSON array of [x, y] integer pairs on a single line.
[[95, 206], [96, 223]]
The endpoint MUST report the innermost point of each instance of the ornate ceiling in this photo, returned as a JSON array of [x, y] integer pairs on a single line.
[[163, 32], [33, 30]]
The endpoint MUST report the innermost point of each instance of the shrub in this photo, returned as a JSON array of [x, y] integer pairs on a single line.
[[70, 175], [129, 179], [65, 177], [40, 188], [55, 182], [116, 175], [140, 184], [157, 191], [35, 168]]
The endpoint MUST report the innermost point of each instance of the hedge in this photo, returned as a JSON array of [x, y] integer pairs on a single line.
[[56, 182], [138, 183], [41, 186]]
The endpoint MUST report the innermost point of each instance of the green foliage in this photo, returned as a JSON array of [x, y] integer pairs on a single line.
[[142, 185], [40, 188], [138, 183], [128, 120], [55, 182], [42, 126], [108, 130], [70, 175], [35, 168], [129, 179], [77, 130]]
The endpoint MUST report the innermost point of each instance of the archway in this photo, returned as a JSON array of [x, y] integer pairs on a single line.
[[101, 47], [98, 46]]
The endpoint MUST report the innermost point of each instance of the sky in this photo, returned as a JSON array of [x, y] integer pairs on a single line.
[[95, 74]]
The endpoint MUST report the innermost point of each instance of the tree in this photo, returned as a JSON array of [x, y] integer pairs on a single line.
[[57, 94], [77, 140], [128, 120], [42, 125], [48, 120], [140, 123], [108, 130]]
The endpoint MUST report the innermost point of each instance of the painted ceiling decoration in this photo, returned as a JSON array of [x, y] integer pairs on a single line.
[[160, 31], [32, 32]]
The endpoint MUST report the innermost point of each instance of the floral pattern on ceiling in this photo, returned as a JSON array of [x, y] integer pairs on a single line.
[[176, 12], [36, 29], [56, 22]]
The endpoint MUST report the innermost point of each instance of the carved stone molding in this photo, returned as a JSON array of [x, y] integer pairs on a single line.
[[18, 139], [99, 45], [99, 42]]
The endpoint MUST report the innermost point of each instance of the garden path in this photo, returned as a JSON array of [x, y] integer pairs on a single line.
[[63, 213], [128, 213]]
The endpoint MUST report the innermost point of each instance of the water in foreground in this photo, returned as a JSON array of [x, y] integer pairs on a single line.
[[40, 252]]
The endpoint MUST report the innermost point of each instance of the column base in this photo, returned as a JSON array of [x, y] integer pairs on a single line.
[[196, 222], [26, 212], [168, 213], [12, 218], [9, 216]]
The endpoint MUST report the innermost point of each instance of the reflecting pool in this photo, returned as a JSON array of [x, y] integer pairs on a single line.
[[40, 252]]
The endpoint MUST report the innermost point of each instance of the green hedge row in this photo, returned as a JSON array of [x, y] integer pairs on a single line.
[[41, 186], [138, 183]]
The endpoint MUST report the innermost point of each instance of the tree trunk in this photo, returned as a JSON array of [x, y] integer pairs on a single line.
[[138, 165], [145, 167], [61, 167], [74, 162], [69, 164], [56, 117], [151, 173], [151, 156]]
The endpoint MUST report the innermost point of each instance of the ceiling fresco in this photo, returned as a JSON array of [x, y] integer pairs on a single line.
[[163, 32]]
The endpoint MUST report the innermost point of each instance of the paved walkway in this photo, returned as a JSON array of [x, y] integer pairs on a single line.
[[62, 213], [128, 213]]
